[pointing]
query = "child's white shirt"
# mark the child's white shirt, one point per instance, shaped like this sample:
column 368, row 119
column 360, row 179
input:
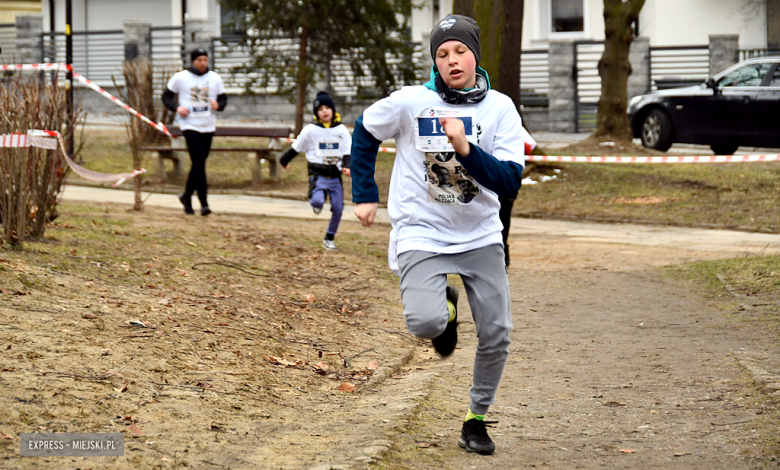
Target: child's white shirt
column 433, row 204
column 323, row 145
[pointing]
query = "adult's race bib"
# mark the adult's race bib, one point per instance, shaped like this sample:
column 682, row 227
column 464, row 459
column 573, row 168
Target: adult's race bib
column 201, row 105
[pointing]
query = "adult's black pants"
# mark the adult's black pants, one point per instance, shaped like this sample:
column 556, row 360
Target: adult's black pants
column 505, row 214
column 199, row 146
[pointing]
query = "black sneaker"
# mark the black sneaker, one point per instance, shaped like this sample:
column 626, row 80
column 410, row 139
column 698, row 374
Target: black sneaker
column 445, row 343
column 474, row 437
column 205, row 210
column 187, row 203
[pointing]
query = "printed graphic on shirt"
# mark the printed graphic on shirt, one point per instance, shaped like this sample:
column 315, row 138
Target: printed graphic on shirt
column 429, row 134
column 448, row 181
column 330, row 151
column 201, row 105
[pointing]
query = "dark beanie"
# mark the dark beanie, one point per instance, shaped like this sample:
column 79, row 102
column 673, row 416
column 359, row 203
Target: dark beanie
column 197, row 53
column 323, row 99
column 458, row 27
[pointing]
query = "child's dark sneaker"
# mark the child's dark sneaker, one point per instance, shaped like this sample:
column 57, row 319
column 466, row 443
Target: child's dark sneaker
column 205, row 210
column 474, row 437
column 445, row 343
column 187, row 203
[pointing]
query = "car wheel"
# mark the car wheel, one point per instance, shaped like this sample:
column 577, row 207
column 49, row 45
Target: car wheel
column 657, row 130
column 724, row 149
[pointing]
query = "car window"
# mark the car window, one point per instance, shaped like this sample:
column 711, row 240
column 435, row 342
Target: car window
column 775, row 82
column 749, row 75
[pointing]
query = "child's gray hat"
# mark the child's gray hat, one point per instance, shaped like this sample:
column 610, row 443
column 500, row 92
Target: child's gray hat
column 458, row 27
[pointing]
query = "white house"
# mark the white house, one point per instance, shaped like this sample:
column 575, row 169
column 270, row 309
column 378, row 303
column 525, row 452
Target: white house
column 96, row 15
column 664, row 22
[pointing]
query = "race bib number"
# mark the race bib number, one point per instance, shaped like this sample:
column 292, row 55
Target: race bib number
column 330, row 151
column 201, row 105
column 429, row 134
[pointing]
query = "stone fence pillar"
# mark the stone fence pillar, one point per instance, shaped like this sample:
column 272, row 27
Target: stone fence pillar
column 29, row 42
column 198, row 33
column 639, row 81
column 138, row 39
column 724, row 52
column 562, row 108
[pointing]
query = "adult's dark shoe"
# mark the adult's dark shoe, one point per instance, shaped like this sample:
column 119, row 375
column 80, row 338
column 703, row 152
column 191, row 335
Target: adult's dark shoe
column 187, row 203
column 474, row 437
column 205, row 210
column 445, row 343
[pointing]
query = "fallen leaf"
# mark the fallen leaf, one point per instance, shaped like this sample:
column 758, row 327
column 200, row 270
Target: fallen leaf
column 260, row 247
column 134, row 427
column 204, row 385
column 347, row 387
column 123, row 389
column 4, row 292
column 105, row 352
column 6, row 436
column 425, row 445
column 372, row 365
column 88, row 316
column 627, row 451
column 309, row 298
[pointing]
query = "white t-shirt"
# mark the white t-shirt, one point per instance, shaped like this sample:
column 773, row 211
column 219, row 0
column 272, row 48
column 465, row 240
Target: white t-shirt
column 434, row 205
column 194, row 92
column 322, row 145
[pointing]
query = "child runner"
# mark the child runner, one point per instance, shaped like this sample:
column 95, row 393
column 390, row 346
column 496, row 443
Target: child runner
column 327, row 145
column 448, row 223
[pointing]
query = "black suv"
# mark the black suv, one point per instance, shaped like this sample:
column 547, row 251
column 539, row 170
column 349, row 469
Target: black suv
column 739, row 106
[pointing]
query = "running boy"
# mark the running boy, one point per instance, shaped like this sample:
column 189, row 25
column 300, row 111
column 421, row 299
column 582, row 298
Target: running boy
column 327, row 145
column 448, row 224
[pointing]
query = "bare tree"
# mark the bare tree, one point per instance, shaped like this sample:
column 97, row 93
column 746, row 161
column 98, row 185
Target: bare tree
column 614, row 67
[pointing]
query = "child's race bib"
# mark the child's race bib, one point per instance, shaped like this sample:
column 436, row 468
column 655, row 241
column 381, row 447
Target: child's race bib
column 330, row 151
column 429, row 135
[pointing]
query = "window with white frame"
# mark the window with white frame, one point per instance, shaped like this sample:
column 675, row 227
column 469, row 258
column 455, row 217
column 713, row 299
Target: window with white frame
column 567, row 16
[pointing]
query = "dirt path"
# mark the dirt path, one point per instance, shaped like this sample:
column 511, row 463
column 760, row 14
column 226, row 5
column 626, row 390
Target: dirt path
column 613, row 365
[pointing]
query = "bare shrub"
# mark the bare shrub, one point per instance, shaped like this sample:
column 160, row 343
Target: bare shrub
column 142, row 90
column 31, row 178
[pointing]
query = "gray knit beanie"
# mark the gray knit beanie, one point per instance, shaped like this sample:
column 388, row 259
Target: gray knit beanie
column 458, row 27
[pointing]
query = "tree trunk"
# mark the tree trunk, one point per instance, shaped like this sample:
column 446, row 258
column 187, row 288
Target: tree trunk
column 614, row 68
column 301, row 94
column 501, row 22
column 463, row 7
column 511, row 51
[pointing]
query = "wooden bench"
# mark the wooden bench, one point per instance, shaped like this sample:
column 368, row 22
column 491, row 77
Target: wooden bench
column 271, row 154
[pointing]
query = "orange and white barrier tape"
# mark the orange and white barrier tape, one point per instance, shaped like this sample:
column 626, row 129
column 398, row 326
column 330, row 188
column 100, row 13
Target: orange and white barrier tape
column 66, row 68
column 660, row 159
column 51, row 140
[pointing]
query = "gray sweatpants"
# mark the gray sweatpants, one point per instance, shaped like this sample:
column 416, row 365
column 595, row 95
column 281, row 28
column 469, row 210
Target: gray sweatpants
column 423, row 283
